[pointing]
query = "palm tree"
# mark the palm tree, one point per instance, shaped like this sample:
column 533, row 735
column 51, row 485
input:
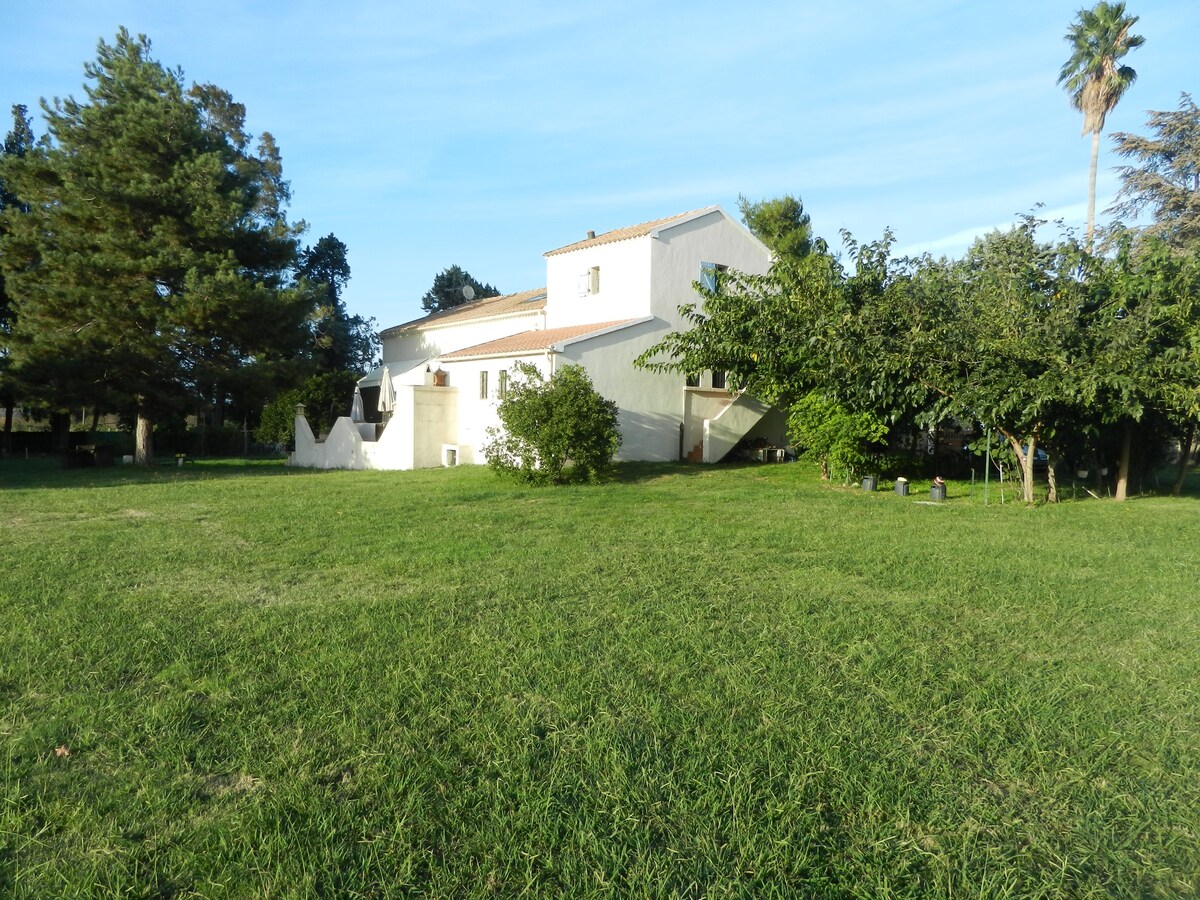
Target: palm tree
column 1099, row 38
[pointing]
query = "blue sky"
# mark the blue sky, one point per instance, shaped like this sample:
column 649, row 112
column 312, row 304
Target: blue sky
column 484, row 134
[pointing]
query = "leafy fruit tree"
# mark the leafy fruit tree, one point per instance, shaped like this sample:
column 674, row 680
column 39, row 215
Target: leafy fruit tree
column 341, row 342
column 1094, row 78
column 17, row 144
column 453, row 287
column 1165, row 175
column 990, row 336
column 548, row 424
column 1043, row 342
column 1143, row 348
column 151, row 264
column 839, row 440
column 781, row 223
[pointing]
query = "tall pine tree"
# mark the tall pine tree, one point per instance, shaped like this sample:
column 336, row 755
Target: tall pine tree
column 17, row 144
column 341, row 342
column 150, row 266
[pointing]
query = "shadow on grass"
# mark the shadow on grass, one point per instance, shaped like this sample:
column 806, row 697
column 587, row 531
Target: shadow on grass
column 49, row 472
column 636, row 472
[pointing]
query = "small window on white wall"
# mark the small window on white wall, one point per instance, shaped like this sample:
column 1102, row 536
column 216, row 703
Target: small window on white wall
column 483, row 385
column 708, row 275
column 502, row 387
column 589, row 282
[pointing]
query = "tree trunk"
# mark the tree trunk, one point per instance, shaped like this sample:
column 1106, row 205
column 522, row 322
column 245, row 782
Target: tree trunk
column 1016, row 447
column 1091, row 214
column 60, row 431
column 143, row 452
column 1123, row 466
column 1185, row 453
column 936, row 431
column 1030, row 453
column 1025, row 466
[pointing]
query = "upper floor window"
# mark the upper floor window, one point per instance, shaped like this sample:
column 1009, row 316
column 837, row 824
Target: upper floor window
column 483, row 395
column 708, row 275
column 589, row 282
column 502, row 387
column 718, row 380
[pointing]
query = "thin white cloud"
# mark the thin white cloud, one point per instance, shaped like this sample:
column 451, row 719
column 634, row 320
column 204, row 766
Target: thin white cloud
column 429, row 134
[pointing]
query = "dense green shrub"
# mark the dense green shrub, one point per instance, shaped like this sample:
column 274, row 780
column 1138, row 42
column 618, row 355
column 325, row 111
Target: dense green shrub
column 325, row 397
column 277, row 424
column 548, row 426
column 839, row 440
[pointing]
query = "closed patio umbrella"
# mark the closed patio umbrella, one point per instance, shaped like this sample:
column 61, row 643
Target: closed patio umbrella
column 356, row 408
column 387, row 393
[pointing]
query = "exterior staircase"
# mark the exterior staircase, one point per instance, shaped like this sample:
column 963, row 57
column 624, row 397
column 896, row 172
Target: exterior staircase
column 730, row 425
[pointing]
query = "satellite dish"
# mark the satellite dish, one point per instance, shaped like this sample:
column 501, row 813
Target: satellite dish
column 468, row 292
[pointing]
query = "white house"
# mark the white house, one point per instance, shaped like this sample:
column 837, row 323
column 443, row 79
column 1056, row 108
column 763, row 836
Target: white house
column 607, row 299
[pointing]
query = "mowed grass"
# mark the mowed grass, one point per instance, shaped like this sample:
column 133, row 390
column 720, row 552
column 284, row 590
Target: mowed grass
column 228, row 681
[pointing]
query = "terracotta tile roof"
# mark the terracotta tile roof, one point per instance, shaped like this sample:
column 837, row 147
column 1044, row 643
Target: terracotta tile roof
column 624, row 234
column 478, row 309
column 531, row 341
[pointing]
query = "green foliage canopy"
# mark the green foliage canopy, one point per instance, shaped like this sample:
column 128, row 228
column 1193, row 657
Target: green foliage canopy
column 151, row 262
column 784, row 334
column 1165, row 176
column 1040, row 340
column 341, row 342
column 453, row 287
column 17, row 143
column 838, row 439
column 326, row 396
column 548, row 424
column 1095, row 79
column 781, row 223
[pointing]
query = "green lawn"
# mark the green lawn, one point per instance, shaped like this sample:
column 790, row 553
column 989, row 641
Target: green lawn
column 245, row 681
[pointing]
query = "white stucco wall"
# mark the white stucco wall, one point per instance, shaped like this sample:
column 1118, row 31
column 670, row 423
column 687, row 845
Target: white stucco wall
column 624, row 284
column 477, row 414
column 424, row 420
column 343, row 448
column 407, row 346
column 434, row 424
column 723, row 431
column 650, row 403
column 677, row 252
